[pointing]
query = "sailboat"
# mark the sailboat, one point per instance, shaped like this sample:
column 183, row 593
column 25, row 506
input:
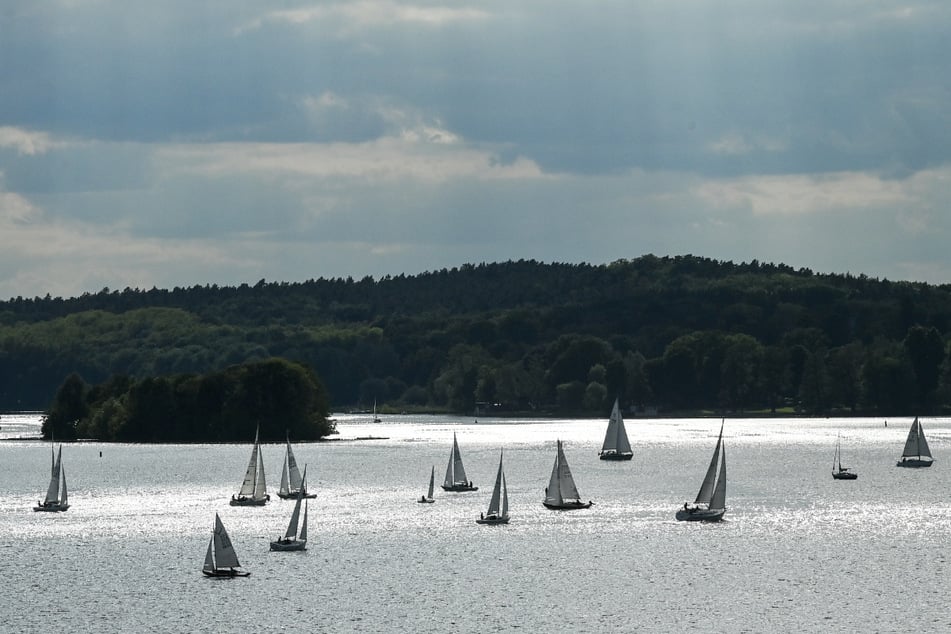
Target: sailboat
column 561, row 493
column 291, row 481
column 916, row 452
column 376, row 419
column 616, row 445
column 428, row 498
column 498, row 512
column 57, row 497
column 710, row 504
column 455, row 473
column 292, row 540
column 220, row 558
column 838, row 471
column 254, row 488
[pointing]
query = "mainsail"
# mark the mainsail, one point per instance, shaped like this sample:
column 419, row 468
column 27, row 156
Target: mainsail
column 706, row 493
column 615, row 438
column 251, row 475
column 495, row 503
column 561, row 485
column 455, row 472
column 52, row 492
column 916, row 444
column 225, row 556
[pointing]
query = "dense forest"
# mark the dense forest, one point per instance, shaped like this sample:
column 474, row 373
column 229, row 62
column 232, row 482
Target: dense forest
column 674, row 334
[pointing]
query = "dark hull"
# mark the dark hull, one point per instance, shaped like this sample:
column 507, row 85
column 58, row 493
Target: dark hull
column 52, row 508
column 845, row 475
column 225, row 573
column 459, row 488
column 615, row 456
column 914, row 463
column 700, row 515
column 249, row 501
column 425, row 501
column 493, row 520
column 293, row 496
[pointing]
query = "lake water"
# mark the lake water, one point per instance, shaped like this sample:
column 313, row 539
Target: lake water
column 797, row 552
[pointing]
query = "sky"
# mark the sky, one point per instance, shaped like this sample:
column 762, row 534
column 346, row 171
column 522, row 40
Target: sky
column 177, row 143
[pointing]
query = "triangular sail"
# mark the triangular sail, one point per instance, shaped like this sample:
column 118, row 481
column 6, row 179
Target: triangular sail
column 260, row 483
column 295, row 516
column 561, row 485
column 52, row 492
column 293, row 471
column 706, row 489
column 615, row 438
column 495, row 501
column 718, row 501
column 923, row 448
column 250, row 476
column 285, row 483
column 209, row 560
column 64, row 497
column 432, row 482
column 303, row 530
column 225, row 557
column 455, row 472
column 505, row 498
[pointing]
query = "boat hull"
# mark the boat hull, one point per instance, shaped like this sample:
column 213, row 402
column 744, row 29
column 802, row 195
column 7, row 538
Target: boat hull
column 51, row 508
column 425, row 501
column 295, row 544
column 613, row 455
column 493, row 520
column 249, row 501
column 567, row 506
column 700, row 515
column 459, row 488
column 914, row 463
column 293, row 496
column 225, row 573
column 845, row 475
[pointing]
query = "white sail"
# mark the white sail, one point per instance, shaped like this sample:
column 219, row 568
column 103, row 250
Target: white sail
column 718, row 501
column 916, row 444
column 303, row 531
column 52, row 492
column 225, row 556
column 293, row 471
column 561, row 485
column 615, row 438
column 64, row 497
column 495, row 501
column 251, row 475
column 260, row 484
column 455, row 472
column 284, row 491
column 432, row 482
column 505, row 498
column 709, row 480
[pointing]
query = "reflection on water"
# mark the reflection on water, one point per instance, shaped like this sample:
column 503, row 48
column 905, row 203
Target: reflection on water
column 798, row 550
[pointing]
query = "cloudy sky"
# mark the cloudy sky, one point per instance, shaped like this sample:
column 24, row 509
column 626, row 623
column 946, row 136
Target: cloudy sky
column 178, row 142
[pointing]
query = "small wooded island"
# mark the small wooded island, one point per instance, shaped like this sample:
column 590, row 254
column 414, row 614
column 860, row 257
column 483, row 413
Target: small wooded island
column 282, row 397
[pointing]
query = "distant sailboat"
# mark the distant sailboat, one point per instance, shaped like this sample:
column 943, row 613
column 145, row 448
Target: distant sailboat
column 376, row 419
column 57, row 497
column 428, row 498
column 616, row 446
column 916, row 452
column 710, row 504
column 455, row 473
column 291, row 481
column 292, row 540
column 562, row 494
column 498, row 512
column 220, row 558
column 254, row 488
column 838, row 471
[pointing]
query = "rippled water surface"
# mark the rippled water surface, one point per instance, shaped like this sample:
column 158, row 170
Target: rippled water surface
column 798, row 551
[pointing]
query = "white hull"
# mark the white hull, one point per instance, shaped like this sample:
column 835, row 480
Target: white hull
column 425, row 501
column 700, row 515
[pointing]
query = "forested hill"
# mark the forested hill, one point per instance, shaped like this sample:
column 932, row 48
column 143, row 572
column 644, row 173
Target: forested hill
column 670, row 332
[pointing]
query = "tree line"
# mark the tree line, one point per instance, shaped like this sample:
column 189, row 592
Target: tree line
column 674, row 333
